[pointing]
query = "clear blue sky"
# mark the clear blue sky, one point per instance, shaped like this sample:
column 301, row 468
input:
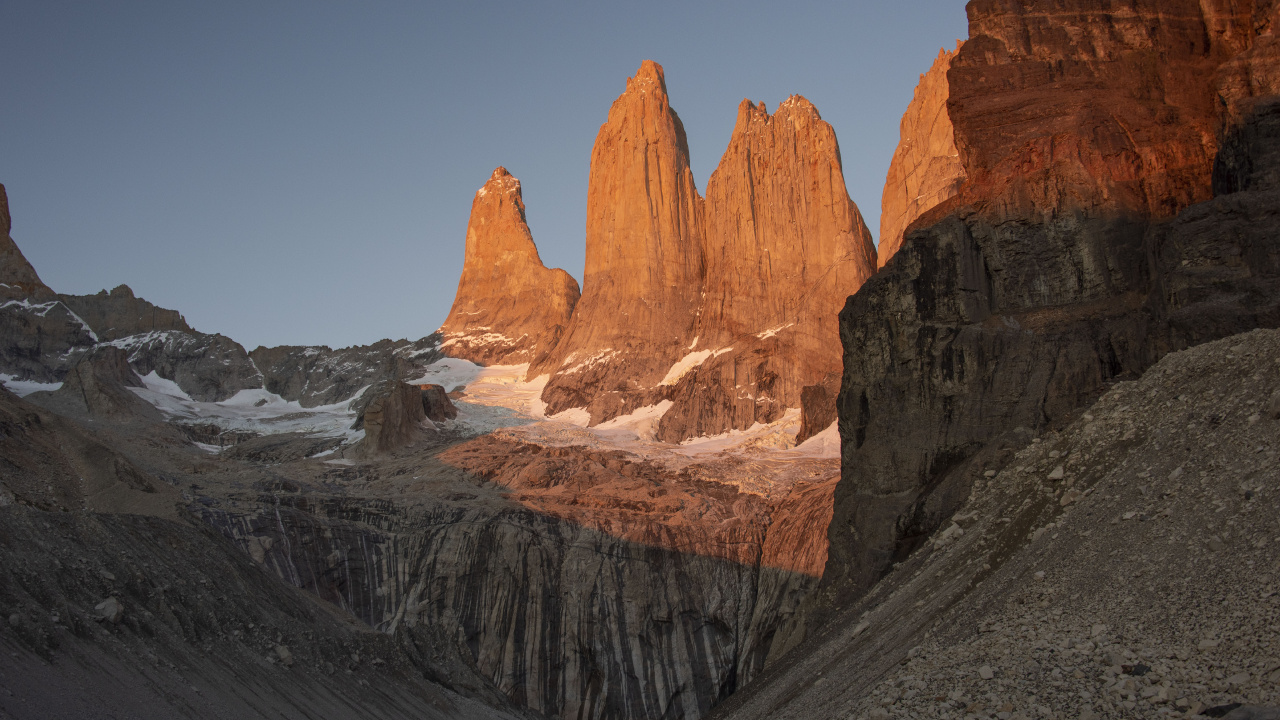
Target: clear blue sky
column 302, row 172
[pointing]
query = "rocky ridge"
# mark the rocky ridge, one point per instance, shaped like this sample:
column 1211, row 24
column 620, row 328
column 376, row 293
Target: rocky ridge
column 509, row 308
column 1122, row 567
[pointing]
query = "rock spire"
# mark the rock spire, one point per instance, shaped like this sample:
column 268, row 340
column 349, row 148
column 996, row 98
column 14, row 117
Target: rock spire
column 642, row 284
column 785, row 246
column 926, row 169
column 509, row 308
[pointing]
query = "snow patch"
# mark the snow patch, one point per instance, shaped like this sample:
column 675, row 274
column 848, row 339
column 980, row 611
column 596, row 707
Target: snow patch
column 689, row 362
column 640, row 424
column 23, row 388
column 573, row 416
column 773, row 331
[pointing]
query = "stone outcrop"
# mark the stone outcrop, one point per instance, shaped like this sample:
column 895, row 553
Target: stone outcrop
column 436, row 403
column 315, row 375
column 926, row 170
column 725, row 307
column 642, row 285
column 18, row 279
column 1075, row 258
column 98, row 386
column 120, row 313
column 784, row 247
column 393, row 416
column 510, row 308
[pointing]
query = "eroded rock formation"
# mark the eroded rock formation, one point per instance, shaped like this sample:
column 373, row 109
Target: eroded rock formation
column 509, row 308
column 926, row 169
column 641, row 289
column 784, row 247
column 1061, row 269
column 393, row 416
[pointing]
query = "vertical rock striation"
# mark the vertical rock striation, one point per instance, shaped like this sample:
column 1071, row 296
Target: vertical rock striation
column 509, row 308
column 642, row 285
column 1083, row 246
column 784, row 247
column 926, row 170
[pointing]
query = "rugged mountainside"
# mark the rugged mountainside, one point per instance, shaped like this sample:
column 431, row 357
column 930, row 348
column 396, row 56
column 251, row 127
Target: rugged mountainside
column 926, row 170
column 784, row 247
column 120, row 313
column 117, row 603
column 581, row 583
column 642, row 285
column 1058, row 271
column 1123, row 567
column 510, row 308
column 722, row 308
column 317, row 375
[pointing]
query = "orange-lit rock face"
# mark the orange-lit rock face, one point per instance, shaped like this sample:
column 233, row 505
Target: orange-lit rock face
column 1091, row 105
column 785, row 246
column 643, row 278
column 926, row 169
column 510, row 308
column 616, row 494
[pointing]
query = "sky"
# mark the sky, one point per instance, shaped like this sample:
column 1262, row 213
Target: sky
column 301, row 172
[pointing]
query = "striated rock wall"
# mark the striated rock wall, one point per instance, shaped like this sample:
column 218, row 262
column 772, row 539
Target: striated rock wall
column 926, row 170
column 642, row 285
column 510, row 308
column 784, row 247
column 582, row 583
column 1062, row 273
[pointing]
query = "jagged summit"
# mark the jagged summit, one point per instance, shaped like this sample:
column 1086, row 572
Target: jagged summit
column 510, row 308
